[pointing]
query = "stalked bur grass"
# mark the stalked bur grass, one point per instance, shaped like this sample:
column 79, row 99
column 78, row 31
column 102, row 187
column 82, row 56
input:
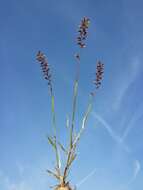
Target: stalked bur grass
column 61, row 172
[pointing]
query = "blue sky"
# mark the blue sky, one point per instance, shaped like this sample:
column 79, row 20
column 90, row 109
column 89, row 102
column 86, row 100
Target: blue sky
column 110, row 152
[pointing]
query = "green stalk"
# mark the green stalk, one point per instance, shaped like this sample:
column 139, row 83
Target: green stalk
column 74, row 110
column 84, row 121
column 71, row 153
column 75, row 91
column 55, row 131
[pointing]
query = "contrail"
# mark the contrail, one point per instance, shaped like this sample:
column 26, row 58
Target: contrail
column 86, row 178
column 116, row 138
column 137, row 168
column 131, row 123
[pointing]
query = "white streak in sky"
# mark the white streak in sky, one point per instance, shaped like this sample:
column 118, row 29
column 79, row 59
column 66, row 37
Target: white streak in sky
column 137, row 169
column 132, row 122
column 7, row 184
column 119, row 140
column 127, row 81
column 86, row 178
column 114, row 136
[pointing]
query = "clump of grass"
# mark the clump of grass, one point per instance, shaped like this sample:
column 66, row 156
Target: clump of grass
column 61, row 170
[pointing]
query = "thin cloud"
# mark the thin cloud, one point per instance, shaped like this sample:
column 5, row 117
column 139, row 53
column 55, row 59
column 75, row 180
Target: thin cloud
column 137, row 169
column 127, row 81
column 7, row 184
column 119, row 140
column 86, row 178
column 114, row 136
column 131, row 125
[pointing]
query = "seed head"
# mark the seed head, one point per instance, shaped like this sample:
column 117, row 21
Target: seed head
column 41, row 58
column 83, row 32
column 98, row 77
column 99, row 74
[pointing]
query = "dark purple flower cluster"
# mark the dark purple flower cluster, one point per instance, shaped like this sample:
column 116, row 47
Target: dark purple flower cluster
column 41, row 58
column 99, row 74
column 83, row 32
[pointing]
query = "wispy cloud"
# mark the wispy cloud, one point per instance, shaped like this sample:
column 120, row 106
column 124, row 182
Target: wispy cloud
column 113, row 135
column 28, row 177
column 138, row 114
column 127, row 80
column 137, row 168
column 86, row 178
column 120, row 140
column 7, row 184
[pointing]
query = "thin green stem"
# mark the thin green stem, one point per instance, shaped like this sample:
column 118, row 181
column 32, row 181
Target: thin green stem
column 55, row 131
column 75, row 92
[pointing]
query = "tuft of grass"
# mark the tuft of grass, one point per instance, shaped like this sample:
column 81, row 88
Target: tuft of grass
column 61, row 170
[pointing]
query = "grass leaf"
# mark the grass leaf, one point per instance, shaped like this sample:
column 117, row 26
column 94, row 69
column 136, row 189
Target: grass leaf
column 51, row 142
column 62, row 148
column 72, row 159
column 84, row 120
column 53, row 174
column 74, row 109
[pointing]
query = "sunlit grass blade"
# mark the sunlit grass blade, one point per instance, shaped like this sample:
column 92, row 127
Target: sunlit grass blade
column 55, row 132
column 53, row 174
column 53, row 114
column 72, row 159
column 62, row 148
column 84, row 121
column 73, row 110
column 51, row 142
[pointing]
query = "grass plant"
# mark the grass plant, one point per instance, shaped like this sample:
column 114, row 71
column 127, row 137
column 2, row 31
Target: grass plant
column 61, row 170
